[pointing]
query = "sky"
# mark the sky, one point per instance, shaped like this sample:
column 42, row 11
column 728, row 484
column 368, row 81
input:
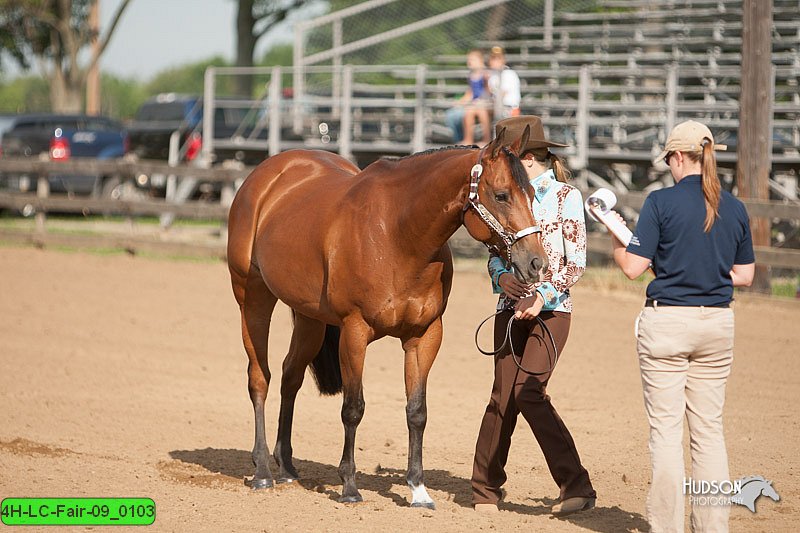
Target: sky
column 157, row 34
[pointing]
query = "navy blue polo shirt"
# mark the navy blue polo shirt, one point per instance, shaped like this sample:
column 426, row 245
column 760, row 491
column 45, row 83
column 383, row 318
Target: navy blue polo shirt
column 692, row 267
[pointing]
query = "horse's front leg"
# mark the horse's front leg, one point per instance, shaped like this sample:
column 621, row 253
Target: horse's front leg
column 420, row 354
column 355, row 336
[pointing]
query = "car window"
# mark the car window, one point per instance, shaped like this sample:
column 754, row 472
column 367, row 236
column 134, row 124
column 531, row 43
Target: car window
column 53, row 123
column 6, row 123
column 166, row 111
column 96, row 124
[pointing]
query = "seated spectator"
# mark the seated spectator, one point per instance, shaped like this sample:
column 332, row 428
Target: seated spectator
column 503, row 87
column 504, row 84
column 473, row 105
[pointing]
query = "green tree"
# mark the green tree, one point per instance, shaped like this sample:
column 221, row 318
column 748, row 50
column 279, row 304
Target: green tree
column 52, row 34
column 24, row 95
column 121, row 97
column 186, row 79
column 255, row 19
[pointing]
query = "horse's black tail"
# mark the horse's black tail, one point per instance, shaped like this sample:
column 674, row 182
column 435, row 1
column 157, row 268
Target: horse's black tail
column 325, row 366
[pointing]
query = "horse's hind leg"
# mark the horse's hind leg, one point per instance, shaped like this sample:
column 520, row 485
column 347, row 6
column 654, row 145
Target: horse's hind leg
column 256, row 308
column 306, row 342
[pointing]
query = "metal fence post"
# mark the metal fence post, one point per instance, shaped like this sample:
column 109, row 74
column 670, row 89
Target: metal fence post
column 672, row 98
column 298, row 77
column 208, row 114
column 418, row 143
column 275, row 81
column 346, row 124
column 547, row 37
column 582, row 134
column 42, row 191
column 336, row 90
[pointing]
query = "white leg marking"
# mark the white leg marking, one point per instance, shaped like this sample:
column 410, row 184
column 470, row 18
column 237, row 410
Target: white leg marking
column 419, row 494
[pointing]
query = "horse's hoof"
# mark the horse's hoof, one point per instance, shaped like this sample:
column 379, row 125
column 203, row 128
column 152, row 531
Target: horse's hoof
column 282, row 480
column 261, row 483
column 425, row 505
column 351, row 499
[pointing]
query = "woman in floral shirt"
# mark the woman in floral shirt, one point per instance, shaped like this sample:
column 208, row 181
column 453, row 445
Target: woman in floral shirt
column 558, row 208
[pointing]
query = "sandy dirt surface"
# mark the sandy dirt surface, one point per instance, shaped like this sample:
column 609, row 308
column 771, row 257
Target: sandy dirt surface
column 124, row 376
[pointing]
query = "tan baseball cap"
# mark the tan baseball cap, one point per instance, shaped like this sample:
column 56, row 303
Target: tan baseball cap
column 688, row 137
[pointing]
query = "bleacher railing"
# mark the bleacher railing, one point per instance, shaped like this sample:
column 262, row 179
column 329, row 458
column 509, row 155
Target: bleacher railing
column 604, row 113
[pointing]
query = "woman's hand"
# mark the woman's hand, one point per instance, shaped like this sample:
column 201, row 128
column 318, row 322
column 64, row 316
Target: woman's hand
column 617, row 216
column 614, row 240
column 511, row 285
column 529, row 307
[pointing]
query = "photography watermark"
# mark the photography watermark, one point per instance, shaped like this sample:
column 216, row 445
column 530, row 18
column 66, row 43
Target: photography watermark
column 744, row 491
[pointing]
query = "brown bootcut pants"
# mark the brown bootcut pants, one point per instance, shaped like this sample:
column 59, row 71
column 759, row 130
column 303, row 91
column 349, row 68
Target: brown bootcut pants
column 515, row 392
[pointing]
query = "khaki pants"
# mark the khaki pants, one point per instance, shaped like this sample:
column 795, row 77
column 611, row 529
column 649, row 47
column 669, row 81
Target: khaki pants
column 685, row 356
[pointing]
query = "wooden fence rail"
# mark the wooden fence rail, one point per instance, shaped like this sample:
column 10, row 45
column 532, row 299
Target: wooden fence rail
column 43, row 202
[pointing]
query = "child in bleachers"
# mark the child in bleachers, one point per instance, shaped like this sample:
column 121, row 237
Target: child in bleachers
column 474, row 104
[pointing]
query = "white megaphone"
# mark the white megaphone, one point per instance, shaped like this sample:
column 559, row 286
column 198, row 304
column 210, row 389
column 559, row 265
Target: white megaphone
column 598, row 205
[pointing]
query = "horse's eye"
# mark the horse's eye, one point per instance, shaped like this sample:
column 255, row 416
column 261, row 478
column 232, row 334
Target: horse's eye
column 501, row 197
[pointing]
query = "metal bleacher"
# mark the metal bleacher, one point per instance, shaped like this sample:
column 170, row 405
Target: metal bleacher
column 610, row 83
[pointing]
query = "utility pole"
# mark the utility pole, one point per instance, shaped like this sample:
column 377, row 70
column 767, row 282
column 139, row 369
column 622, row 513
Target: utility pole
column 754, row 151
column 93, row 79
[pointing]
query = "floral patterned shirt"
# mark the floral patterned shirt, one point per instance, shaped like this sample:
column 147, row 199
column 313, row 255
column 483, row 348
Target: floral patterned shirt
column 558, row 208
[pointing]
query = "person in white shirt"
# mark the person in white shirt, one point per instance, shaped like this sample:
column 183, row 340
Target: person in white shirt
column 504, row 86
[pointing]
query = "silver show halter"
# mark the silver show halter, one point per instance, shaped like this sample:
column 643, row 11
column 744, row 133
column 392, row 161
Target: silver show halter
column 509, row 238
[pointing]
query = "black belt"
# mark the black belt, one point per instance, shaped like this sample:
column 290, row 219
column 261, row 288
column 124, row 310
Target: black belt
column 652, row 303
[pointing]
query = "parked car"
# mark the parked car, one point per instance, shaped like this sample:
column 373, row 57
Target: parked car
column 6, row 123
column 63, row 137
column 159, row 117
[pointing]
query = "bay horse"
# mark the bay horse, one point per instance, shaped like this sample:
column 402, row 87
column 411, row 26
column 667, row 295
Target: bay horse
column 359, row 255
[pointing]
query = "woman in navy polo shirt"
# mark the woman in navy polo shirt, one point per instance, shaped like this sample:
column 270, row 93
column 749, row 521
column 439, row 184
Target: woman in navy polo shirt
column 696, row 238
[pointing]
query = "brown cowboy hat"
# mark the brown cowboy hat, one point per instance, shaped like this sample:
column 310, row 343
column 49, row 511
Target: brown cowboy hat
column 515, row 126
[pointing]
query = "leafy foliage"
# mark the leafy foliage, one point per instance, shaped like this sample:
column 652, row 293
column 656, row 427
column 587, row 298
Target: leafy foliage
column 36, row 28
column 24, row 95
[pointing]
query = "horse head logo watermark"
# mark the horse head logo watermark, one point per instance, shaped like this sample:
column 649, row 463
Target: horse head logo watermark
column 752, row 487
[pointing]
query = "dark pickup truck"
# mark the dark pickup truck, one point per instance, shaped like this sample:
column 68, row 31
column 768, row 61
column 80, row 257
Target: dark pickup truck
column 64, row 137
column 161, row 116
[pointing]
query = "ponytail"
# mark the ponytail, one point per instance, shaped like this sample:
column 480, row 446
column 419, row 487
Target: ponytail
column 551, row 160
column 559, row 168
column 710, row 181
column 711, row 185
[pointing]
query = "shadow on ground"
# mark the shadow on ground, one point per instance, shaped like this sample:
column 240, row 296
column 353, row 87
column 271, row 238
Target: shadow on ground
column 323, row 478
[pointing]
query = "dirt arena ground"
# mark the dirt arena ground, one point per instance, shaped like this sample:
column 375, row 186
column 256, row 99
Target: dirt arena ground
column 124, row 376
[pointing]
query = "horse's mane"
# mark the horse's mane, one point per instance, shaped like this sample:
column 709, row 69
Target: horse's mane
column 429, row 152
column 517, row 170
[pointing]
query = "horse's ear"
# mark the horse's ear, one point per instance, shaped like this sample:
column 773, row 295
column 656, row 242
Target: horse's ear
column 497, row 144
column 519, row 145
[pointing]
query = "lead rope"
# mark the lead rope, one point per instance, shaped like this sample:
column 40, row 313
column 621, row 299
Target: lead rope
column 507, row 342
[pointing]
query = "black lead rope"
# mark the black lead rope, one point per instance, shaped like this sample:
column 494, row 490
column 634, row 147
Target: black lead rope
column 507, row 342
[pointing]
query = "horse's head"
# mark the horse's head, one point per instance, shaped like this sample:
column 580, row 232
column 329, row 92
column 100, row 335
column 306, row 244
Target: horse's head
column 500, row 215
column 768, row 490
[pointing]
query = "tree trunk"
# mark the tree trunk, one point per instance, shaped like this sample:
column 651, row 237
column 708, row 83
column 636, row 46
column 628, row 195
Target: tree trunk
column 245, row 46
column 754, row 157
column 66, row 92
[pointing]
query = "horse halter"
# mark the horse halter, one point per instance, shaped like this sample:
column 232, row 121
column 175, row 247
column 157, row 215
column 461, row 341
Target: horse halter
column 509, row 238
